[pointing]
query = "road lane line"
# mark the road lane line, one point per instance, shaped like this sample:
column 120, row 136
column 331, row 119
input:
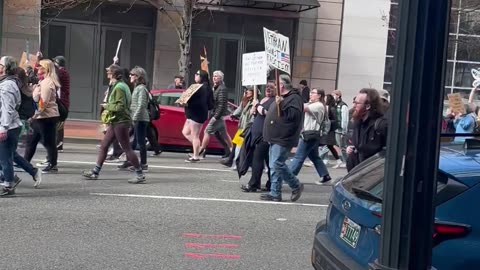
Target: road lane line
column 216, row 236
column 206, row 199
column 149, row 166
column 201, row 256
column 207, row 245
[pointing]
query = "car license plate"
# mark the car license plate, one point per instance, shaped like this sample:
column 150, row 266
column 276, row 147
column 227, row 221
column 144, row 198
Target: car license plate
column 350, row 232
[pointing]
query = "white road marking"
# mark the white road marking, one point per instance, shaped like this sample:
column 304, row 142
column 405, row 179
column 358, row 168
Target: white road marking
column 149, row 166
column 230, row 181
column 205, row 199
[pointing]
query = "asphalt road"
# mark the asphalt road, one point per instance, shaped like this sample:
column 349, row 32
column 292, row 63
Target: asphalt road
column 187, row 216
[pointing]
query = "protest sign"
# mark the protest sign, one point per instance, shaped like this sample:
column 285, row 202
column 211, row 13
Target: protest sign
column 187, row 94
column 254, row 68
column 455, row 103
column 277, row 48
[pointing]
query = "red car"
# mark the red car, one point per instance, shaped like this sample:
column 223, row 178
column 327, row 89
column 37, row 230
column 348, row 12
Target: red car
column 172, row 117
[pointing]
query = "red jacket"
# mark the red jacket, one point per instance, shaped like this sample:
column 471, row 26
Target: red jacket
column 64, row 78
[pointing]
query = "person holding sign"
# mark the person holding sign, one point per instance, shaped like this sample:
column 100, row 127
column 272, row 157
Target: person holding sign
column 196, row 112
column 282, row 130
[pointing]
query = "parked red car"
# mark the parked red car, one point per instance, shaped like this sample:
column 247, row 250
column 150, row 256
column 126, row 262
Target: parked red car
column 172, row 117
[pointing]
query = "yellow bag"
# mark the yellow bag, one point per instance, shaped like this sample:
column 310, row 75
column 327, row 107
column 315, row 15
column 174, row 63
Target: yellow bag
column 237, row 139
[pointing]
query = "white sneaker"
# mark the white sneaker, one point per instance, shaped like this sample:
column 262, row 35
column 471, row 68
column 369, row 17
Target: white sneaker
column 308, row 164
column 37, row 178
column 326, row 161
column 42, row 164
column 337, row 164
column 343, row 165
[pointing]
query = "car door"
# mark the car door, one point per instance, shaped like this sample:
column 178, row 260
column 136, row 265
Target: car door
column 172, row 117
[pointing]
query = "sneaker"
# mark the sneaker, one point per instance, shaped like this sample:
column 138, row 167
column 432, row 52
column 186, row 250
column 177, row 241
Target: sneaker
column 326, row 161
column 156, row 154
column 37, row 178
column 112, row 159
column 138, row 179
column 90, row 175
column 50, row 169
column 192, row 160
column 337, row 164
column 343, row 165
column 324, row 180
column 144, row 168
column 16, row 181
column 60, row 147
column 6, row 191
column 268, row 197
column 296, row 194
column 42, row 163
column 308, row 164
column 124, row 166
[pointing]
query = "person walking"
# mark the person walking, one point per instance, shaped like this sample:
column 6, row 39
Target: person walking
column 10, row 123
column 216, row 124
column 260, row 153
column 44, row 121
column 118, row 120
column 315, row 113
column 343, row 120
column 242, row 113
column 63, row 94
column 328, row 141
column 282, row 130
column 196, row 112
column 139, row 115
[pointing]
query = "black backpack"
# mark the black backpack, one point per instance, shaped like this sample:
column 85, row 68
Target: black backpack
column 27, row 107
column 152, row 107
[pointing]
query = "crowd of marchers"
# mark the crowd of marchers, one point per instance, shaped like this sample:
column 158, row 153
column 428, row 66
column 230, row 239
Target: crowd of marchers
column 35, row 101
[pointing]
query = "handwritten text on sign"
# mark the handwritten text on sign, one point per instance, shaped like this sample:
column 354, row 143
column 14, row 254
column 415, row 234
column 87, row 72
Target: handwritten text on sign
column 254, row 68
column 277, row 48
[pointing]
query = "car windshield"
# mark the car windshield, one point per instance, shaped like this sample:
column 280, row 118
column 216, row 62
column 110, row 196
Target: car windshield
column 369, row 176
column 167, row 99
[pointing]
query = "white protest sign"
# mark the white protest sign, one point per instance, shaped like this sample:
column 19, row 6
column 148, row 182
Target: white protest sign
column 254, row 68
column 277, row 48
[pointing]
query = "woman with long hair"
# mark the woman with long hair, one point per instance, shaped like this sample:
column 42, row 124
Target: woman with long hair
column 328, row 141
column 118, row 120
column 196, row 112
column 139, row 114
column 310, row 138
column 44, row 121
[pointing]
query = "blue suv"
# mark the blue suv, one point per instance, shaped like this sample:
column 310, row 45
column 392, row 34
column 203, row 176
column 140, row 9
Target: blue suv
column 349, row 237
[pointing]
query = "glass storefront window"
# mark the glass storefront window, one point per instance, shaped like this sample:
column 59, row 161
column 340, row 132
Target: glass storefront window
column 463, row 74
column 468, row 49
column 470, row 22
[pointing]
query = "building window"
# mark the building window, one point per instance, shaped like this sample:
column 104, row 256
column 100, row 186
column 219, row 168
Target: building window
column 463, row 46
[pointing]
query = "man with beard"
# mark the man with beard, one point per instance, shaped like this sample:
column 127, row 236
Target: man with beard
column 369, row 128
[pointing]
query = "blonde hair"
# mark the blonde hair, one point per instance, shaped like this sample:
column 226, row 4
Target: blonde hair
column 50, row 71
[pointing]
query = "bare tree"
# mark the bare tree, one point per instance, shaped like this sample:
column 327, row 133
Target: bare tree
column 181, row 18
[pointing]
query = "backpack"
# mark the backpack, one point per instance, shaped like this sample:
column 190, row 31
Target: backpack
column 27, row 107
column 326, row 124
column 152, row 107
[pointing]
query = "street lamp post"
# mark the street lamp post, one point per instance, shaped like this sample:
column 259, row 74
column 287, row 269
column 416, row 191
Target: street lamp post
column 413, row 140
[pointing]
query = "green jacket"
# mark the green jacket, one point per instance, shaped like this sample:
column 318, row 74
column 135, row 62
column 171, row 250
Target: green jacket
column 139, row 106
column 118, row 104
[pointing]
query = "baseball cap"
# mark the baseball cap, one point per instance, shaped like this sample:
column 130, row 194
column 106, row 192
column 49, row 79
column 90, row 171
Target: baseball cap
column 337, row 92
column 384, row 94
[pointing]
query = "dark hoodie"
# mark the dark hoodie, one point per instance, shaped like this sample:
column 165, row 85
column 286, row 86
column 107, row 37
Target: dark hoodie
column 285, row 130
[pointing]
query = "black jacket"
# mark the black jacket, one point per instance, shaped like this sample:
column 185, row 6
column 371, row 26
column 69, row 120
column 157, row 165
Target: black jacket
column 306, row 94
column 369, row 137
column 221, row 101
column 284, row 130
column 197, row 105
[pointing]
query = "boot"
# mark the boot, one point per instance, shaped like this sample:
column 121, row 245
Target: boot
column 228, row 161
column 222, row 141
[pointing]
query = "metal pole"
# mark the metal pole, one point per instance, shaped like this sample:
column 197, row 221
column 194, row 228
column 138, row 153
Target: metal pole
column 413, row 140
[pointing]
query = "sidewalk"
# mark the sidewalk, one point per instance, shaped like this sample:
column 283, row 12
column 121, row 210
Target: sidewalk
column 79, row 131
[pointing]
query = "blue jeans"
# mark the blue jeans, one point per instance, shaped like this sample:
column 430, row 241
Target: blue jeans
column 308, row 149
column 279, row 170
column 8, row 148
column 140, row 133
